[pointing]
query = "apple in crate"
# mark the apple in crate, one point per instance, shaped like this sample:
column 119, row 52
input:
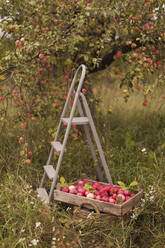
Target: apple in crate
column 91, row 196
column 72, row 189
column 127, row 197
column 96, row 185
column 111, row 200
column 98, row 197
column 126, row 192
column 114, row 196
column 65, row 189
column 105, row 198
column 80, row 189
column 80, row 194
column 121, row 196
column 80, row 183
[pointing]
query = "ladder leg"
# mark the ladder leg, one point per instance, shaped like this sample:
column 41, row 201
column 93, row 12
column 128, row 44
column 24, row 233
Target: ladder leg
column 69, row 124
column 50, row 156
column 43, row 179
column 61, row 153
column 59, row 162
column 48, row 162
column 98, row 169
column 102, row 157
column 86, row 129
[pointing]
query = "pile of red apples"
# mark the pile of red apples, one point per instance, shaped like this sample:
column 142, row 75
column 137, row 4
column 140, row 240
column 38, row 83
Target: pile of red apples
column 99, row 191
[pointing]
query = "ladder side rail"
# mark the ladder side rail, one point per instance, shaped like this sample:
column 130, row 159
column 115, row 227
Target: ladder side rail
column 72, row 87
column 87, row 133
column 87, row 110
column 69, row 124
column 65, row 107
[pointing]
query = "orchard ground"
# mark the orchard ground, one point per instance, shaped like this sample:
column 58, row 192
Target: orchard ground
column 133, row 139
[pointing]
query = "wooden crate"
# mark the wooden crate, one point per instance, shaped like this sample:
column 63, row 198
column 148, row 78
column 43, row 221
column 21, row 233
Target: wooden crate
column 99, row 206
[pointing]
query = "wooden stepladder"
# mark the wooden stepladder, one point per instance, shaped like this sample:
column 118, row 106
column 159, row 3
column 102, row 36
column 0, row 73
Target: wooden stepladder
column 84, row 119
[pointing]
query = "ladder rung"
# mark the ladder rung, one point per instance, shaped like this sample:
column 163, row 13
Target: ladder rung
column 77, row 120
column 43, row 195
column 57, row 146
column 50, row 171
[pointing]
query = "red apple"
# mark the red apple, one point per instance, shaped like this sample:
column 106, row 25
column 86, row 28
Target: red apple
column 105, row 198
column 86, row 181
column 120, row 191
column 114, row 196
column 80, row 183
column 23, row 125
column 111, row 200
column 96, row 185
column 90, row 195
column 28, row 161
column 84, row 90
column 80, row 194
column 126, row 192
column 65, row 189
column 41, row 55
column 73, row 191
column 97, row 192
column 21, row 139
column 80, row 189
column 127, row 198
column 72, row 187
column 98, row 197
column 121, row 196
column 86, row 193
column 45, row 59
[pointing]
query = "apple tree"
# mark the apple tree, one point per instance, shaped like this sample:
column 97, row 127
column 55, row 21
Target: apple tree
column 43, row 42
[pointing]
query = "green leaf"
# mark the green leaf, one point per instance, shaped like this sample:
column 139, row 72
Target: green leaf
column 121, row 184
column 62, row 180
column 134, row 183
column 87, row 186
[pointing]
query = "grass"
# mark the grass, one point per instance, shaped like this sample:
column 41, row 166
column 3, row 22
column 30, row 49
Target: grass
column 125, row 129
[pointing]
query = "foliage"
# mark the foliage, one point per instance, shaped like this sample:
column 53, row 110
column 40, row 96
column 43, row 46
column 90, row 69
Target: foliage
column 52, row 37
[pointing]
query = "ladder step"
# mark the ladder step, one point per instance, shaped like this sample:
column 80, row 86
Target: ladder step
column 50, row 171
column 77, row 120
column 57, row 146
column 43, row 195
